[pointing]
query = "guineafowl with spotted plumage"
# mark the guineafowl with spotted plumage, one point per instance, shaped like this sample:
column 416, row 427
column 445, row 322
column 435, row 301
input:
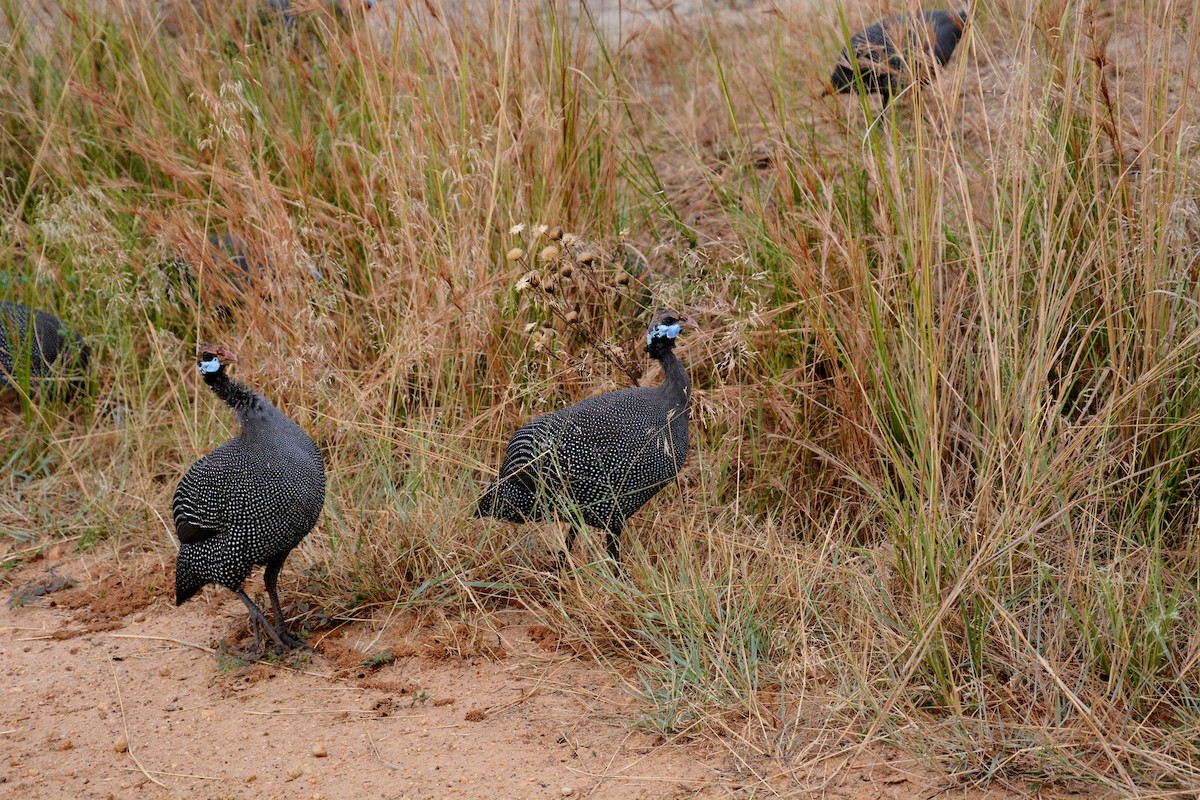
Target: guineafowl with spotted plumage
column 603, row 458
column 896, row 51
column 40, row 345
column 249, row 502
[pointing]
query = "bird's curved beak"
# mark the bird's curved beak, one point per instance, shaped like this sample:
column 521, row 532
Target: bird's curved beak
column 688, row 322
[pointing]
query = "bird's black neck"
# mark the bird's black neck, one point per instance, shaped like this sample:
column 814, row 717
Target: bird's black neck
column 237, row 396
column 676, row 384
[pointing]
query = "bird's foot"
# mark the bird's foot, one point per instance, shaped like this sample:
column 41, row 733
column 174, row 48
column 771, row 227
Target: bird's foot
column 285, row 640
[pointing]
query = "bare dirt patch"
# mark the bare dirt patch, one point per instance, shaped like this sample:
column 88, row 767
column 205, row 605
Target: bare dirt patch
column 131, row 705
column 104, row 605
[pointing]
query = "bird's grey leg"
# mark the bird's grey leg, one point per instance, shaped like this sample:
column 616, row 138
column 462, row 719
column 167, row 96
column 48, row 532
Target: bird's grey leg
column 258, row 618
column 258, row 628
column 565, row 553
column 612, row 544
column 271, row 578
column 612, row 538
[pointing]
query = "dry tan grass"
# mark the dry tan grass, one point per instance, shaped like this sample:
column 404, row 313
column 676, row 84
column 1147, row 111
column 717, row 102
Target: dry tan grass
column 946, row 403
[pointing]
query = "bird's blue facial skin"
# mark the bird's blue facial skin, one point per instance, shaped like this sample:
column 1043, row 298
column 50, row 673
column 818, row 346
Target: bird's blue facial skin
column 669, row 331
column 210, row 365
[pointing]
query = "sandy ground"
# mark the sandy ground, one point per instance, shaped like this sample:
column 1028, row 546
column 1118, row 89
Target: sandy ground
column 111, row 692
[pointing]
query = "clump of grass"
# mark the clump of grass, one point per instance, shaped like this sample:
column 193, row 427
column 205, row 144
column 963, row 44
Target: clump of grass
column 945, row 410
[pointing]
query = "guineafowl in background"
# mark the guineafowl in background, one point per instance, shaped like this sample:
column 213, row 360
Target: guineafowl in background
column 601, row 459
column 250, row 501
column 896, row 51
column 40, row 345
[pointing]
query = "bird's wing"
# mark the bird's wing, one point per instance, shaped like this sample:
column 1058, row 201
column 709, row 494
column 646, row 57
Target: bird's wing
column 529, row 454
column 615, row 423
column 197, row 507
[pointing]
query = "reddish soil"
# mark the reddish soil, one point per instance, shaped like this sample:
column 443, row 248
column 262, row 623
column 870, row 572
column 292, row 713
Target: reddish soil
column 113, row 693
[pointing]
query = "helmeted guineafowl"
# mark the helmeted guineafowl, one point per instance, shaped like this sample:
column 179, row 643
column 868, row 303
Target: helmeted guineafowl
column 248, row 502
column 601, row 459
column 52, row 351
column 895, row 51
column 235, row 268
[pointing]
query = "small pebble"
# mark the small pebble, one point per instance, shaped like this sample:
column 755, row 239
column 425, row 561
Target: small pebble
column 251, row 778
column 121, row 745
column 295, row 772
column 67, row 745
column 567, row 791
column 164, row 671
column 207, row 713
column 319, row 751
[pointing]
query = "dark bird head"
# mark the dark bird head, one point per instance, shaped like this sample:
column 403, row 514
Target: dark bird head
column 665, row 325
column 187, row 583
column 214, row 358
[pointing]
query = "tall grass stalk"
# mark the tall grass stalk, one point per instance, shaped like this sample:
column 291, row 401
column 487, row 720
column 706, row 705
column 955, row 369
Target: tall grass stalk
column 945, row 424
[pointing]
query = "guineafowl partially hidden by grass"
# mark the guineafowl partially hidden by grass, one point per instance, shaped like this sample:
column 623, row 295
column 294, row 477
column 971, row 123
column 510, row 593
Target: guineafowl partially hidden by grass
column 39, row 345
column 234, row 269
column 601, row 459
column 896, row 51
column 248, row 502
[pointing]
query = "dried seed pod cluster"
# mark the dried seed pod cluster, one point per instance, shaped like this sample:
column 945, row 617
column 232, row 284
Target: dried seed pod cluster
column 587, row 292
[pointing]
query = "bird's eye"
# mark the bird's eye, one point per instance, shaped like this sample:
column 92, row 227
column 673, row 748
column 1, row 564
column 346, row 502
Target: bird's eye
column 210, row 365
